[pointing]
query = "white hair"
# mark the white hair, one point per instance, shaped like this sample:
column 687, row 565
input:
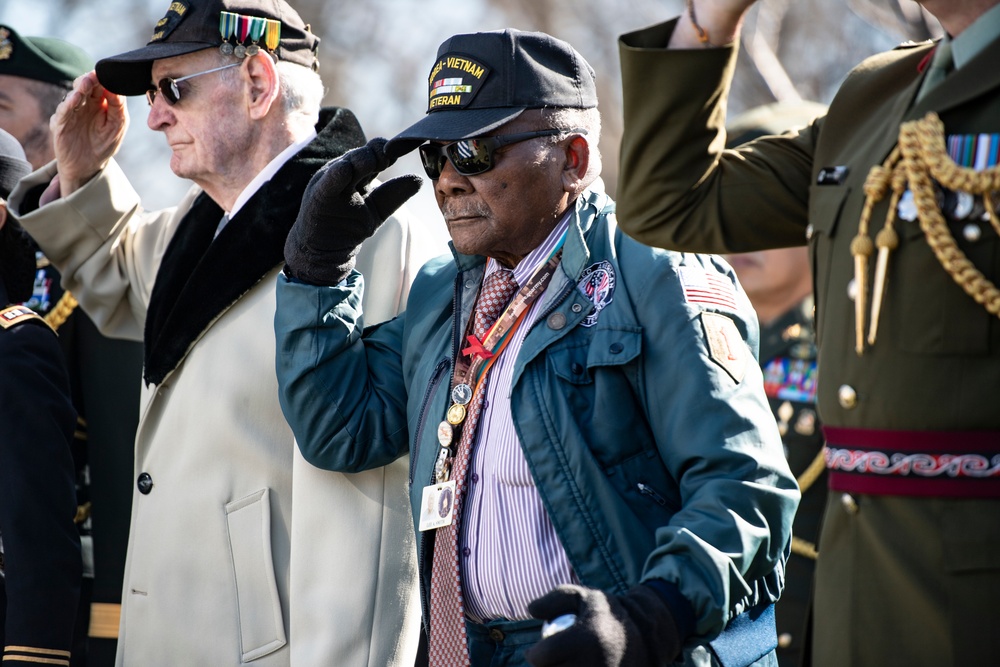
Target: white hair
column 569, row 119
column 302, row 89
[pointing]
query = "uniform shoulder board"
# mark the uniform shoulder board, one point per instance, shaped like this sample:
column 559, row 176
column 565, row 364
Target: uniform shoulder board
column 910, row 44
column 13, row 315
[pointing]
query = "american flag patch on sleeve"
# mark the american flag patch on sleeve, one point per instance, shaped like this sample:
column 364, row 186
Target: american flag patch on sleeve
column 707, row 288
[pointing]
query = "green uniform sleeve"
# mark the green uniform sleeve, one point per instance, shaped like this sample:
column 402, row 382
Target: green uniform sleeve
column 678, row 187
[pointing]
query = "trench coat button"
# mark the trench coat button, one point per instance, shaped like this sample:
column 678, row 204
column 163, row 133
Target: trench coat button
column 556, row 321
column 847, row 397
column 496, row 635
column 810, row 230
column 616, row 348
column 849, row 503
column 784, row 640
column 144, row 483
column 576, row 308
column 972, row 232
column 469, row 284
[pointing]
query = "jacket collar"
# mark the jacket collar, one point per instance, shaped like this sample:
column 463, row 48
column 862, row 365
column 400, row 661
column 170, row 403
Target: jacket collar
column 199, row 279
column 980, row 75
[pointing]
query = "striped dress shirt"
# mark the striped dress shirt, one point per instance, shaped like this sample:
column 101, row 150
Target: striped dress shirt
column 508, row 548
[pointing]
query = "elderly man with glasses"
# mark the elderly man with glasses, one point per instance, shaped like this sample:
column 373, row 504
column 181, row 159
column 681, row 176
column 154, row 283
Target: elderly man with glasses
column 591, row 447
column 225, row 564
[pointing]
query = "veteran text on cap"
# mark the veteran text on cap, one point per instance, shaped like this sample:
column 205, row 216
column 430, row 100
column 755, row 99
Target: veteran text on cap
column 482, row 80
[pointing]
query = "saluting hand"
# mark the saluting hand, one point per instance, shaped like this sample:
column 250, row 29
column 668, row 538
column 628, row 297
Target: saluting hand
column 339, row 211
column 718, row 23
column 87, row 130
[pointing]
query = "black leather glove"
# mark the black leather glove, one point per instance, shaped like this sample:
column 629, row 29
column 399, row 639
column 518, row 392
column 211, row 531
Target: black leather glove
column 339, row 212
column 632, row 630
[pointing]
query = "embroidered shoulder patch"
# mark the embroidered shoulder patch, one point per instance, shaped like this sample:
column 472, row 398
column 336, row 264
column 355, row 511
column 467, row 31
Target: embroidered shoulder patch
column 597, row 284
column 725, row 344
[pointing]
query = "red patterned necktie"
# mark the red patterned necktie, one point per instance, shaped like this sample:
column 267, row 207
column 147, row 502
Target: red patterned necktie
column 448, row 642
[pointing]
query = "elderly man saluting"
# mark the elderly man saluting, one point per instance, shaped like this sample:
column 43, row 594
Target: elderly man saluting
column 587, row 427
column 214, row 573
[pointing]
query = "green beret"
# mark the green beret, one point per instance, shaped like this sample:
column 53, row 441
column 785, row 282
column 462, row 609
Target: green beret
column 41, row 58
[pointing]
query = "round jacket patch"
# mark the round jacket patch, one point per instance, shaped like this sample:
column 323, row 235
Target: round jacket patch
column 597, row 284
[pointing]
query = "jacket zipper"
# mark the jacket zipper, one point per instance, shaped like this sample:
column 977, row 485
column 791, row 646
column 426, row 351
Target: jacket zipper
column 648, row 491
column 431, row 386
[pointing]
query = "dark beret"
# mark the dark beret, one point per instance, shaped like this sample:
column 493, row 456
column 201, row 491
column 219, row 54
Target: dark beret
column 41, row 58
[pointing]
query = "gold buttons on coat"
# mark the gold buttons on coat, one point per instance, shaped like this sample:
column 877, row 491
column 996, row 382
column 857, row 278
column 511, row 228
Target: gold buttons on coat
column 849, row 503
column 784, row 640
column 847, row 397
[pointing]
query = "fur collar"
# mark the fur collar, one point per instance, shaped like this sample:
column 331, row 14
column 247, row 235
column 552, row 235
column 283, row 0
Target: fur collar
column 199, row 279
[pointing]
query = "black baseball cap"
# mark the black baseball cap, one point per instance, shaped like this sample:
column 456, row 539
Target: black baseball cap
column 13, row 164
column 482, row 80
column 193, row 25
column 41, row 58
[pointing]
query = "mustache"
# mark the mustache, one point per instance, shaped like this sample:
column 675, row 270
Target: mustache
column 452, row 210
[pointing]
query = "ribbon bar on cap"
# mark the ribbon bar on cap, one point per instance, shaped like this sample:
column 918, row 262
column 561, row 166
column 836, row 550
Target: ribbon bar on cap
column 237, row 28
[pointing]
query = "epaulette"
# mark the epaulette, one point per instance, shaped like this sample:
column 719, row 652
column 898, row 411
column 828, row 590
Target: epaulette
column 910, row 44
column 11, row 316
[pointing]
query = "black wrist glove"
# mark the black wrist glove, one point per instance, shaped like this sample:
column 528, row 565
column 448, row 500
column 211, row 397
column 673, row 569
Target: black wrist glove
column 632, row 630
column 339, row 212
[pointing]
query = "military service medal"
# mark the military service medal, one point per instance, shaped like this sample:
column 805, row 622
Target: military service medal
column 227, row 28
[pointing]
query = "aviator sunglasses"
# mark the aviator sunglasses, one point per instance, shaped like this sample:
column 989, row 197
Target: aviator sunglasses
column 470, row 157
column 171, row 91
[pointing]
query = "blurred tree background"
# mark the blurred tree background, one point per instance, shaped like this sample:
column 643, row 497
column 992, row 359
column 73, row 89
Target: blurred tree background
column 375, row 55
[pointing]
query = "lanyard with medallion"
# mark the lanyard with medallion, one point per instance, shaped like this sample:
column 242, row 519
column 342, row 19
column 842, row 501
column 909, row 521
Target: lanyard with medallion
column 471, row 367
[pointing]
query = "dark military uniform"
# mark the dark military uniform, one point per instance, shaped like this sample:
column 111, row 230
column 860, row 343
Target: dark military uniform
column 104, row 375
column 41, row 547
column 788, row 360
column 909, row 566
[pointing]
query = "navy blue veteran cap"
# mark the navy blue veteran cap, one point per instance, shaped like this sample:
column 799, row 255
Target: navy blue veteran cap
column 238, row 27
column 482, row 80
column 13, row 164
column 41, row 58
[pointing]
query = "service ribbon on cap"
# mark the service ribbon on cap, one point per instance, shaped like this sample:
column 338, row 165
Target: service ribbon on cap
column 257, row 25
column 227, row 28
column 239, row 28
column 454, row 81
column 273, row 35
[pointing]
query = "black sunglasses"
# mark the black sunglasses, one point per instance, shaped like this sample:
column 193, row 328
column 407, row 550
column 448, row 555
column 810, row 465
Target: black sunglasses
column 475, row 156
column 171, row 91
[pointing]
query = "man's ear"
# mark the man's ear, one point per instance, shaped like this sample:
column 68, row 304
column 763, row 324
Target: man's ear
column 262, row 84
column 3, row 213
column 577, row 164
